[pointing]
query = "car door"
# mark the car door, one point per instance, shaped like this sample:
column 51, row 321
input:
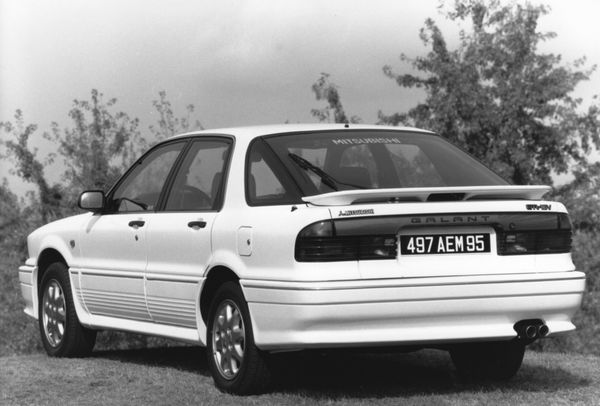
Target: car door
column 113, row 247
column 179, row 236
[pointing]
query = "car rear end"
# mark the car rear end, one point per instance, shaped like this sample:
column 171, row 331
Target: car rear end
column 458, row 259
column 463, row 272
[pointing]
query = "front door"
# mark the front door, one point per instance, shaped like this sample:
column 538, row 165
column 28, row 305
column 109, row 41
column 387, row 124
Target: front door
column 113, row 247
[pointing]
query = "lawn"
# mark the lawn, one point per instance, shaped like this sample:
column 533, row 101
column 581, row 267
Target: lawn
column 179, row 375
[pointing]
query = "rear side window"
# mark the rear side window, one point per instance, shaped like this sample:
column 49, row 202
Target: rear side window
column 199, row 181
column 266, row 180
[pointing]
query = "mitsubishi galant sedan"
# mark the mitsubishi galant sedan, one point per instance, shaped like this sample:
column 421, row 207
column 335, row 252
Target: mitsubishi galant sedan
column 257, row 240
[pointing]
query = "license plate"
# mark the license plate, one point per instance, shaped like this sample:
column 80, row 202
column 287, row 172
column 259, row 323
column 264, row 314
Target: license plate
column 444, row 244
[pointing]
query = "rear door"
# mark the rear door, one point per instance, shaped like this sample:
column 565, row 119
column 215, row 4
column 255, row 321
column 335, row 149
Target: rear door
column 179, row 236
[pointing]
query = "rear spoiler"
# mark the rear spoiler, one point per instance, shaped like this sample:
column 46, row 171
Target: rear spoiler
column 453, row 193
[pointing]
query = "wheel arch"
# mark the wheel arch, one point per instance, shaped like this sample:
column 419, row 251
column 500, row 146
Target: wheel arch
column 47, row 257
column 215, row 277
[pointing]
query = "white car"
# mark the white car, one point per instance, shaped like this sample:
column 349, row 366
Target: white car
column 266, row 239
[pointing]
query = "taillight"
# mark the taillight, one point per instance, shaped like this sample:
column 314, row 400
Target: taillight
column 552, row 239
column 318, row 242
column 534, row 242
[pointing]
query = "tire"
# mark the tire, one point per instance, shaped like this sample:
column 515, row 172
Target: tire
column 236, row 365
column 61, row 332
column 488, row 361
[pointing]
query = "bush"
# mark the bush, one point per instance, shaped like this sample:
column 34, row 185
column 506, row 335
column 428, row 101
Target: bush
column 586, row 339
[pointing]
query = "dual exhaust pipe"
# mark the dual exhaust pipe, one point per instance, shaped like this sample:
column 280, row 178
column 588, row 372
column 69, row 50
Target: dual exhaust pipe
column 530, row 330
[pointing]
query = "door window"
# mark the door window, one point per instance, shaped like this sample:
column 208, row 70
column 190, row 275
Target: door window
column 199, row 181
column 141, row 188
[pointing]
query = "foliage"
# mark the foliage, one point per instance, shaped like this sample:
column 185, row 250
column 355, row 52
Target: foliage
column 498, row 97
column 100, row 145
column 586, row 257
column 581, row 196
column 168, row 124
column 9, row 210
column 326, row 90
column 28, row 166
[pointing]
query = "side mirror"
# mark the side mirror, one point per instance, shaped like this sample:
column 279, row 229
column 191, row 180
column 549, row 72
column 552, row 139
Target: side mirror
column 91, row 200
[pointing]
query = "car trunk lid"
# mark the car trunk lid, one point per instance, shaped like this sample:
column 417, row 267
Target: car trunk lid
column 462, row 237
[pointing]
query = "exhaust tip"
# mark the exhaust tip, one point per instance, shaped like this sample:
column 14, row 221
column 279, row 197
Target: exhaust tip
column 531, row 331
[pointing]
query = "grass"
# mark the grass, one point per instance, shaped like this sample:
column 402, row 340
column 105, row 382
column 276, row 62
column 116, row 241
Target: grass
column 179, row 375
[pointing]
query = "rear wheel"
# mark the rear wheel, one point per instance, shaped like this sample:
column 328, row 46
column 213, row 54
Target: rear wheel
column 235, row 363
column 492, row 360
column 61, row 332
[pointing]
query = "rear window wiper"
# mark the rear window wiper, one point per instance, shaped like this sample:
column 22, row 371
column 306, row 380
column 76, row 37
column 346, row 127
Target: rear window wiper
column 325, row 177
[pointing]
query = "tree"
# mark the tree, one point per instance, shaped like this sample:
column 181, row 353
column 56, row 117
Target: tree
column 326, row 90
column 168, row 123
column 581, row 196
column 498, row 97
column 29, row 168
column 99, row 147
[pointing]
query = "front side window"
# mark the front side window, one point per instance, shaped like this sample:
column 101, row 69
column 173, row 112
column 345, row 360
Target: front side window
column 141, row 188
column 199, row 181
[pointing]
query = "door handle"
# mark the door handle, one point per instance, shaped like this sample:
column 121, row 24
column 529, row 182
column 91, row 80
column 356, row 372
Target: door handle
column 197, row 224
column 137, row 223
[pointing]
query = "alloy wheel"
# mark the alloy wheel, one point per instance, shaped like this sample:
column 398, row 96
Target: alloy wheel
column 228, row 339
column 54, row 314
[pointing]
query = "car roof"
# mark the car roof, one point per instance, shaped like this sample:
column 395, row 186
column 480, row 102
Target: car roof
column 257, row 131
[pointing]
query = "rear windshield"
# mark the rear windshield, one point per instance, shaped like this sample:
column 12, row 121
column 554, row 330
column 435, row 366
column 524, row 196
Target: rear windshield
column 330, row 161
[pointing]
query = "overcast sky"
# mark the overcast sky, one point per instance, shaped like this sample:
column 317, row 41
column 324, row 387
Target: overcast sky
column 239, row 62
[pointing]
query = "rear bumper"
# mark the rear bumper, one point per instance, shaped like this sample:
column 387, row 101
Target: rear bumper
column 433, row 310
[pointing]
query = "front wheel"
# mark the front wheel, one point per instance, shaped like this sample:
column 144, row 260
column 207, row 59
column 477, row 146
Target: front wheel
column 235, row 363
column 491, row 360
column 61, row 332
